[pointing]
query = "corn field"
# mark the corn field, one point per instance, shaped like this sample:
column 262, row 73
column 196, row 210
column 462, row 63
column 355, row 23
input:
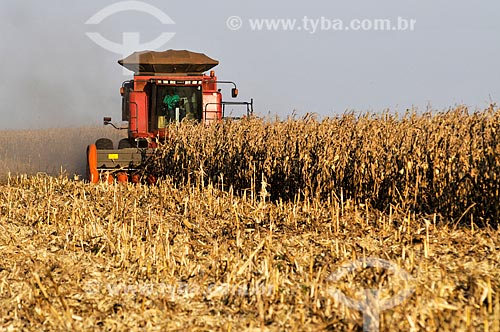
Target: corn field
column 360, row 222
column 447, row 163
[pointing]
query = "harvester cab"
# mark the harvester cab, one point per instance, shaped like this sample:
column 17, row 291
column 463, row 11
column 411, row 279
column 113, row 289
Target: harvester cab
column 167, row 87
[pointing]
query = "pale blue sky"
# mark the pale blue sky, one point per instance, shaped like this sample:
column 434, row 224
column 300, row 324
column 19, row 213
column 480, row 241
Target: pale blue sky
column 53, row 75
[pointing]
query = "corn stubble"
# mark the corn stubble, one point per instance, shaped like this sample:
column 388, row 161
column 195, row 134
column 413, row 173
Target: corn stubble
column 251, row 222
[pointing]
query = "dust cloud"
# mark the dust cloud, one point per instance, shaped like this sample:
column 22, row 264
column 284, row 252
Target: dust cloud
column 50, row 151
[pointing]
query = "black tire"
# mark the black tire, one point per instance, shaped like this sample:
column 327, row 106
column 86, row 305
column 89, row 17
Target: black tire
column 104, row 144
column 124, row 144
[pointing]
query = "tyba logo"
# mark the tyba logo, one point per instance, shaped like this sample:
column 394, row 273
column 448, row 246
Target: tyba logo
column 131, row 40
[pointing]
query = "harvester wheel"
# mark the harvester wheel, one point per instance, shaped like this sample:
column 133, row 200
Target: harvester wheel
column 104, row 144
column 92, row 173
column 124, row 144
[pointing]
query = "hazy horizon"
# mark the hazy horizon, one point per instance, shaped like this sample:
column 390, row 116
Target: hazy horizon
column 56, row 76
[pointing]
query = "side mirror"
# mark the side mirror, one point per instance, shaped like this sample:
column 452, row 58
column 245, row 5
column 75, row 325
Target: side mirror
column 107, row 120
column 234, row 92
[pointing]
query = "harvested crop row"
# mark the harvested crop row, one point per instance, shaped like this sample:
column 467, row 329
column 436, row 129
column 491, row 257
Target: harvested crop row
column 81, row 257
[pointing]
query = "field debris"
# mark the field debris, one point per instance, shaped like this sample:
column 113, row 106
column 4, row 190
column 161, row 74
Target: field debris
column 130, row 257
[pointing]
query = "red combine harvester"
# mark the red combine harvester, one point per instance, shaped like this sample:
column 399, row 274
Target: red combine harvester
column 167, row 87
